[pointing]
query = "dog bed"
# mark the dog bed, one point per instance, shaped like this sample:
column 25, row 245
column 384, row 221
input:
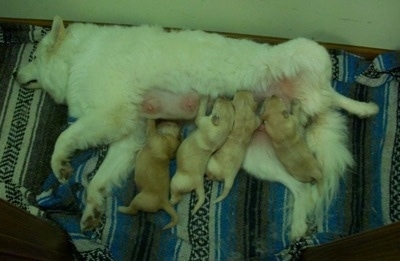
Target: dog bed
column 249, row 224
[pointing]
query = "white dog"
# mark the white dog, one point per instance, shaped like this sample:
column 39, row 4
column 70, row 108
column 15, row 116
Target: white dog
column 226, row 162
column 195, row 151
column 102, row 73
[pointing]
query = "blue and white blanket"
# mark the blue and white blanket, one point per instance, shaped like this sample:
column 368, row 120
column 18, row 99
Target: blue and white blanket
column 247, row 225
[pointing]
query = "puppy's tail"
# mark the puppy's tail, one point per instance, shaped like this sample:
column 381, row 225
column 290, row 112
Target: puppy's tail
column 201, row 197
column 227, row 188
column 172, row 212
column 361, row 109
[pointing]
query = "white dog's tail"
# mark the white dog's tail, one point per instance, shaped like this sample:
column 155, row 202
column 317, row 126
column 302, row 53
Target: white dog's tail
column 361, row 109
column 327, row 138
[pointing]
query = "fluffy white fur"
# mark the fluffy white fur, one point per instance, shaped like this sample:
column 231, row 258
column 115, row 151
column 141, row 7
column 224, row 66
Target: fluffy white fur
column 103, row 72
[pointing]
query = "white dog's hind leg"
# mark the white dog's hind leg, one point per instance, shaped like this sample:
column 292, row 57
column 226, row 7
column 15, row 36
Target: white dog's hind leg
column 117, row 165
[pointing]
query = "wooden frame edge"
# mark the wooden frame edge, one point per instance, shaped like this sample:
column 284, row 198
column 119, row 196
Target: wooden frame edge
column 365, row 52
column 382, row 243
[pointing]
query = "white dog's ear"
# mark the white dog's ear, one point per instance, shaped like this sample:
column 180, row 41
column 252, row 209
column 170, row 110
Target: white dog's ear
column 57, row 30
column 215, row 120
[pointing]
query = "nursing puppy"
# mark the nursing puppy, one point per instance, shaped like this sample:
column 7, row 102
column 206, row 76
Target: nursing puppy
column 152, row 171
column 195, row 151
column 287, row 136
column 225, row 163
column 103, row 74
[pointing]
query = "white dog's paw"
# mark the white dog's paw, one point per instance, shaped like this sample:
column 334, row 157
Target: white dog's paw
column 91, row 216
column 371, row 110
column 298, row 229
column 62, row 169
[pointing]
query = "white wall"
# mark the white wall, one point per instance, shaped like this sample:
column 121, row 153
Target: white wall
column 370, row 23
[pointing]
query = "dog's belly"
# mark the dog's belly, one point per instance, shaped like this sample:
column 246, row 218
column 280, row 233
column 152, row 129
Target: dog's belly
column 159, row 103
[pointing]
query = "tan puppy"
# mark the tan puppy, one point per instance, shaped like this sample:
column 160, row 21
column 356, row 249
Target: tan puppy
column 225, row 163
column 195, row 151
column 287, row 138
column 152, row 173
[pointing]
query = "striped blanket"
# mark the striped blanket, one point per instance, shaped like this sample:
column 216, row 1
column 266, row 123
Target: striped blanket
column 250, row 224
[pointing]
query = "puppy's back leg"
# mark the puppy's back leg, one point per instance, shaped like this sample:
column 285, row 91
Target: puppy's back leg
column 228, row 184
column 201, row 197
column 135, row 206
column 173, row 214
column 128, row 210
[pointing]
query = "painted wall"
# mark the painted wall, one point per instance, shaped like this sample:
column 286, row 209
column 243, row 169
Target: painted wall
column 370, row 23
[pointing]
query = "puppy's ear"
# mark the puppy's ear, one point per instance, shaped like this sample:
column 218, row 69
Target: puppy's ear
column 215, row 120
column 285, row 114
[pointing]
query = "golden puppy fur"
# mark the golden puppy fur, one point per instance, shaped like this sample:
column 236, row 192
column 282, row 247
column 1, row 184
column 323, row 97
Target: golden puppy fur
column 152, row 170
column 225, row 163
column 288, row 142
column 195, row 151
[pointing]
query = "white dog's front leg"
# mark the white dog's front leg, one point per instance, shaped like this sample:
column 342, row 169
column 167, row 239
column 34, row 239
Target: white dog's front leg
column 88, row 131
column 117, row 165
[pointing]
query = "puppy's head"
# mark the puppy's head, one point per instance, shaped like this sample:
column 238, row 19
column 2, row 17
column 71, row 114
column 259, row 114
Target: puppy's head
column 222, row 112
column 47, row 70
column 243, row 99
column 169, row 128
column 274, row 108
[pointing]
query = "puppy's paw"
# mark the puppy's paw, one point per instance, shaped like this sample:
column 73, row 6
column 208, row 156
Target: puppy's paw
column 175, row 199
column 210, row 176
column 62, row 169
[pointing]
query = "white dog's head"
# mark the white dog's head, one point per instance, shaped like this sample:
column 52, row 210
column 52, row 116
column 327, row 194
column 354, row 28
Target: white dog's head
column 48, row 70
